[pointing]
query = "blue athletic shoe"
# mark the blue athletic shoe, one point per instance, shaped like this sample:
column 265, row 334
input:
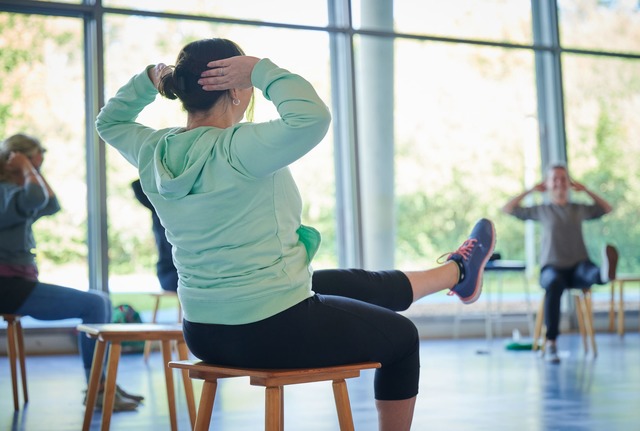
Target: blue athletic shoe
column 471, row 257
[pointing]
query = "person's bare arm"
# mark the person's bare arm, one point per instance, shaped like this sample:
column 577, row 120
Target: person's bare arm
column 515, row 202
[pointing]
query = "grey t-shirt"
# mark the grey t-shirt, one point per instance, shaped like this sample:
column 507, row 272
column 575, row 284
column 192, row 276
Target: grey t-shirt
column 562, row 244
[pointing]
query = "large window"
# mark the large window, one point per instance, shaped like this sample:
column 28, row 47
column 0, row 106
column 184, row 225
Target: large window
column 603, row 145
column 441, row 127
column 42, row 94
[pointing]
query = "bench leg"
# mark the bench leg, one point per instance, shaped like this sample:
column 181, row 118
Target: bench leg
column 147, row 343
column 13, row 360
column 94, row 383
column 589, row 326
column 581, row 315
column 343, row 406
column 274, row 417
column 537, row 332
column 168, row 377
column 205, row 408
column 183, row 354
column 110, row 384
column 23, row 365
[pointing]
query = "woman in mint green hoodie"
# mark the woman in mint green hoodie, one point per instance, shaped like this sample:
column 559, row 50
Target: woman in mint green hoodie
column 232, row 212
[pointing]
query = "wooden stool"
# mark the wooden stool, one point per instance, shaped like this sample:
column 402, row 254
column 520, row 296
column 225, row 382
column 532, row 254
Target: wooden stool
column 158, row 296
column 273, row 380
column 619, row 281
column 15, row 350
column 115, row 334
column 584, row 311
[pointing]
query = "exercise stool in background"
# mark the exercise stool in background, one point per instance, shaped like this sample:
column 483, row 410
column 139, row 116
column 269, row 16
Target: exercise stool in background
column 113, row 334
column 273, row 380
column 154, row 318
column 584, row 311
column 15, row 351
column 620, row 281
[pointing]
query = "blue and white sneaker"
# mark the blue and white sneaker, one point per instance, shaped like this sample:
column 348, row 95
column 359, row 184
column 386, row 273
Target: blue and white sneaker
column 471, row 257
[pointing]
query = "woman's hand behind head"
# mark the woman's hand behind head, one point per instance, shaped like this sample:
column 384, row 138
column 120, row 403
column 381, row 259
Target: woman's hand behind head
column 228, row 73
column 157, row 72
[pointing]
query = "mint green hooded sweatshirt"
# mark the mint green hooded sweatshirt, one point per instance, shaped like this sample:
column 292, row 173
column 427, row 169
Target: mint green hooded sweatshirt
column 226, row 197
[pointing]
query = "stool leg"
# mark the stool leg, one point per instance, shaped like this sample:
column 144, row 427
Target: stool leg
column 273, row 420
column 21, row 356
column 168, row 377
column 205, row 408
column 110, row 384
column 94, row 383
column 147, row 343
column 580, row 312
column 612, row 302
column 588, row 305
column 11, row 347
column 343, row 405
column 621, row 309
column 537, row 333
column 530, row 322
column 183, row 354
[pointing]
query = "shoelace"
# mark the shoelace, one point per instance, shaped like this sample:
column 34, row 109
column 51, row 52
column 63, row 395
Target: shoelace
column 464, row 250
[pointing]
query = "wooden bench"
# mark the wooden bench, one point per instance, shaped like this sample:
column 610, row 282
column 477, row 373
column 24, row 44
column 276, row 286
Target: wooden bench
column 112, row 335
column 273, row 380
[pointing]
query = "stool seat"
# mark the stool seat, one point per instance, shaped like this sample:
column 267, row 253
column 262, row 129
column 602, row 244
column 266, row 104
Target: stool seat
column 116, row 333
column 15, row 350
column 273, row 380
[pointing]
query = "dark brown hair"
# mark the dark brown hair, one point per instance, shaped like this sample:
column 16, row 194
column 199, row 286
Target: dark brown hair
column 192, row 61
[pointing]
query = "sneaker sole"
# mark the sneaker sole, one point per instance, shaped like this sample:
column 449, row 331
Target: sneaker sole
column 478, row 289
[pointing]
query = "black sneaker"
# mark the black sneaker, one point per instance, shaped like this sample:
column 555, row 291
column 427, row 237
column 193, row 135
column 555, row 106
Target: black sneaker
column 471, row 257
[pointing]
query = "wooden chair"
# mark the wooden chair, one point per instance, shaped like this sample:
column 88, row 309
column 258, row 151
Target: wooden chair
column 584, row 311
column 273, row 380
column 154, row 318
column 112, row 335
column 15, row 351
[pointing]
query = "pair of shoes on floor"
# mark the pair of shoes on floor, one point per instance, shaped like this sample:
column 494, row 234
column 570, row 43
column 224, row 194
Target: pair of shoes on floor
column 123, row 400
column 471, row 257
column 551, row 353
column 609, row 264
column 125, row 394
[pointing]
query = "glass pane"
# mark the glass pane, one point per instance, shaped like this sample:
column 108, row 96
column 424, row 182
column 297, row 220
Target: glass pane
column 313, row 13
column 43, row 95
column 132, row 43
column 494, row 20
column 63, row 1
column 602, row 99
column 600, row 25
column 465, row 134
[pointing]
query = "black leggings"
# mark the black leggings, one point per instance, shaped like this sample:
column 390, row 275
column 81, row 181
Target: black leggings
column 352, row 318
